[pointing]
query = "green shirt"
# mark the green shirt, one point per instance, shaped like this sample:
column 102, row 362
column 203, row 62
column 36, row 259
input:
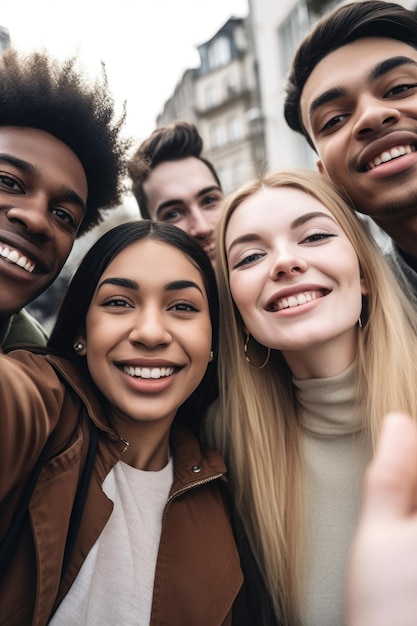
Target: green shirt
column 21, row 328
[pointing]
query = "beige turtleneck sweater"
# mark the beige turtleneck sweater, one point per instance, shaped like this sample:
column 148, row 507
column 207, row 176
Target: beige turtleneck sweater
column 335, row 460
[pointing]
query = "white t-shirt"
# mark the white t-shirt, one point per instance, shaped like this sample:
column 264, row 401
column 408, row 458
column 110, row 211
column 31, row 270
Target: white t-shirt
column 114, row 586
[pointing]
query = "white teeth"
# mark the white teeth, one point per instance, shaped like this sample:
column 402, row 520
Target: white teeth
column 296, row 300
column 388, row 155
column 13, row 256
column 148, row 372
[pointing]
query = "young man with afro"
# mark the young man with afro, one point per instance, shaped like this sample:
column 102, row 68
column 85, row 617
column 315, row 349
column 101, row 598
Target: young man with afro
column 62, row 161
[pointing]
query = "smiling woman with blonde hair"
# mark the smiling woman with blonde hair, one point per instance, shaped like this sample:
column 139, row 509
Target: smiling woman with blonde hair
column 317, row 344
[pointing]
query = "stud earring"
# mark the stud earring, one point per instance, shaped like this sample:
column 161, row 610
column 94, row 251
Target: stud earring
column 211, row 355
column 78, row 346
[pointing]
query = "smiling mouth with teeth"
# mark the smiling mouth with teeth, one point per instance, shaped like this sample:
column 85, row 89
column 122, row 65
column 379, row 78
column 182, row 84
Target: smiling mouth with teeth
column 389, row 155
column 296, row 300
column 210, row 248
column 148, row 372
column 11, row 255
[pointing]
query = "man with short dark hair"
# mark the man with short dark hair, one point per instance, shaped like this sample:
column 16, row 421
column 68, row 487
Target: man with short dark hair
column 173, row 183
column 62, row 160
column 352, row 92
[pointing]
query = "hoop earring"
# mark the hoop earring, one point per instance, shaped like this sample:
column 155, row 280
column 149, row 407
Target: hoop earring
column 360, row 322
column 247, row 357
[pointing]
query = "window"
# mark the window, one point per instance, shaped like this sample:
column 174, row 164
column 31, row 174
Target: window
column 238, row 174
column 216, row 136
column 290, row 34
column 234, row 129
column 225, row 178
column 212, row 96
column 4, row 38
column 230, row 87
column 219, row 53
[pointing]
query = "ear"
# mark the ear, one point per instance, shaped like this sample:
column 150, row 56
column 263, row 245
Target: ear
column 364, row 288
column 320, row 168
column 81, row 340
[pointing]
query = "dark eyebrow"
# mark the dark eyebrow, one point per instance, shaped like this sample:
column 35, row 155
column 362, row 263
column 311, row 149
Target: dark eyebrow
column 127, row 283
column 175, row 201
column 299, row 221
column 389, row 64
column 20, row 164
column 182, row 284
column 66, row 195
column 203, row 192
column 69, row 195
column 376, row 72
column 324, row 98
column 119, row 282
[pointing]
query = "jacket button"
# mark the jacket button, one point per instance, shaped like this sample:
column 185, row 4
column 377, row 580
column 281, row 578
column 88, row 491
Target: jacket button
column 196, row 469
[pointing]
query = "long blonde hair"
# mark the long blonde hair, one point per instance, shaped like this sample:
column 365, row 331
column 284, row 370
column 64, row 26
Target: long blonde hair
column 258, row 431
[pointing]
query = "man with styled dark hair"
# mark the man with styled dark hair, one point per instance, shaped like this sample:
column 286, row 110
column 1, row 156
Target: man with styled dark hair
column 62, row 161
column 352, row 92
column 173, row 183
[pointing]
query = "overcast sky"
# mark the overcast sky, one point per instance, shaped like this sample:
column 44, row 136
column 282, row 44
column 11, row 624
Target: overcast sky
column 146, row 44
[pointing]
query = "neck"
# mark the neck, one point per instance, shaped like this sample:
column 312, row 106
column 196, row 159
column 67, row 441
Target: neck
column 148, row 443
column 410, row 260
column 323, row 360
column 404, row 233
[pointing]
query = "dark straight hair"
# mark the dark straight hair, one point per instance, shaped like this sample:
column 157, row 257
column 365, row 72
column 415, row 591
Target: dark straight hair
column 174, row 142
column 72, row 315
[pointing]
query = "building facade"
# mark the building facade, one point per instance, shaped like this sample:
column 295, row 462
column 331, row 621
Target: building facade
column 277, row 28
column 221, row 98
column 181, row 105
column 4, row 39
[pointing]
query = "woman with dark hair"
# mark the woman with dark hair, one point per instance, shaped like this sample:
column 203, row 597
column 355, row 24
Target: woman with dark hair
column 112, row 512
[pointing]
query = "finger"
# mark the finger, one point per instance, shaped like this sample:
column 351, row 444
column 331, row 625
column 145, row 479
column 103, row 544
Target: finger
column 391, row 479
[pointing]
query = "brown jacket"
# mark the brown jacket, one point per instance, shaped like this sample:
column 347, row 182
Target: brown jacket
column 198, row 576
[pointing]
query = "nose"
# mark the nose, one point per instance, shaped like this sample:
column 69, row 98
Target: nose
column 34, row 215
column 373, row 116
column 200, row 227
column 149, row 328
column 287, row 263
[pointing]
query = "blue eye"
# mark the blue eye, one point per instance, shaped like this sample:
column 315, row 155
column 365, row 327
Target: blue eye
column 170, row 216
column 249, row 258
column 319, row 236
